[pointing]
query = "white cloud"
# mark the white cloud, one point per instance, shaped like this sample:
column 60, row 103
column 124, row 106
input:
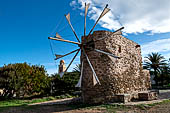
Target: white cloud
column 162, row 46
column 137, row 16
column 73, row 3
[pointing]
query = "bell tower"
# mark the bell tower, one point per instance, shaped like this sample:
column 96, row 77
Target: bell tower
column 61, row 67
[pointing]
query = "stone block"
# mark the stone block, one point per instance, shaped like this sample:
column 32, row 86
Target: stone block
column 124, row 98
column 148, row 96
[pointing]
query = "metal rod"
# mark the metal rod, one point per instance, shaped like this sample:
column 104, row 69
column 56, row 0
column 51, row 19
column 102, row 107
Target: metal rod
column 66, row 54
column 72, row 60
column 106, row 53
column 91, row 66
column 64, row 40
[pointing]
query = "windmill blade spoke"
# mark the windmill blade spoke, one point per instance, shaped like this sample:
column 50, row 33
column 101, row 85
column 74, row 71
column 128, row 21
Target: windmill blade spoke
column 72, row 60
column 68, row 19
column 58, row 39
column 85, row 14
column 106, row 10
column 94, row 73
column 60, row 56
column 100, row 51
column 81, row 74
column 109, row 34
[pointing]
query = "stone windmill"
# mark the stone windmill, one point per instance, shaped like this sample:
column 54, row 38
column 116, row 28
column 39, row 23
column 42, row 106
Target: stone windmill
column 87, row 44
column 111, row 65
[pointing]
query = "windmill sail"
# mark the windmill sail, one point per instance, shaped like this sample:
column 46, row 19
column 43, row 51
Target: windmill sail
column 106, row 10
column 86, row 10
column 94, row 80
column 58, row 36
column 79, row 82
column 58, row 56
column 94, row 73
column 100, row 51
column 68, row 19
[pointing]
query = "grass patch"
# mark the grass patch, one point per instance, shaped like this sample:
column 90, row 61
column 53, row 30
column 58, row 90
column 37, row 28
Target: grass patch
column 163, row 102
column 17, row 102
column 145, row 106
column 14, row 102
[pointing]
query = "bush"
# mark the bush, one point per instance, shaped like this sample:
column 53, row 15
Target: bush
column 22, row 80
column 66, row 84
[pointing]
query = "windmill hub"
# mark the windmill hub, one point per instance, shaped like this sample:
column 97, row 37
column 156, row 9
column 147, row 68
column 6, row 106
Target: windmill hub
column 88, row 43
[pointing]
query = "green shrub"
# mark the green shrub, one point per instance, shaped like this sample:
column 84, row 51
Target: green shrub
column 66, row 84
column 22, row 80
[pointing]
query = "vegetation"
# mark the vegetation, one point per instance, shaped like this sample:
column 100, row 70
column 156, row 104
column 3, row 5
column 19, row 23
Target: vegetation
column 159, row 67
column 66, row 84
column 21, row 105
column 22, row 80
column 17, row 102
column 77, row 68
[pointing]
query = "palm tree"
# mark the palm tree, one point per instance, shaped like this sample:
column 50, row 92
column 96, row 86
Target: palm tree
column 154, row 62
column 165, row 75
column 77, row 68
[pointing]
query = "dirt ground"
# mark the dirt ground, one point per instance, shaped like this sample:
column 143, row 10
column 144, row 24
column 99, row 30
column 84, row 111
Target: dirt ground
column 63, row 106
column 160, row 108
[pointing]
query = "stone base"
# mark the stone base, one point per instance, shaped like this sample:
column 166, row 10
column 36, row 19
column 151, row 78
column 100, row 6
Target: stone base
column 148, row 96
column 124, row 98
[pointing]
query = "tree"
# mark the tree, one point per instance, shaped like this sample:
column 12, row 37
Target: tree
column 66, row 84
column 77, row 68
column 165, row 75
column 21, row 79
column 154, row 62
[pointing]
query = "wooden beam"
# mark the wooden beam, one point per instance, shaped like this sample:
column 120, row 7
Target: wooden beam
column 68, row 19
column 58, row 39
column 106, row 10
column 66, row 54
column 72, row 60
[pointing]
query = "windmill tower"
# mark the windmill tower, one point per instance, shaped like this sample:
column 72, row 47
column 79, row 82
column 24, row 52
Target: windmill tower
column 111, row 65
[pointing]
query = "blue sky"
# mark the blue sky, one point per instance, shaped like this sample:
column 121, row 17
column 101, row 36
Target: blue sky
column 25, row 26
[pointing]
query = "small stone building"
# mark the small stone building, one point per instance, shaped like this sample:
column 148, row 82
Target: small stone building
column 121, row 79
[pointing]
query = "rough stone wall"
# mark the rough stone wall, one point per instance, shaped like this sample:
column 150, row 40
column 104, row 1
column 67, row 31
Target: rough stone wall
column 117, row 76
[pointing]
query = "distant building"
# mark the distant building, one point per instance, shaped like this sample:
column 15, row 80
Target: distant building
column 61, row 67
